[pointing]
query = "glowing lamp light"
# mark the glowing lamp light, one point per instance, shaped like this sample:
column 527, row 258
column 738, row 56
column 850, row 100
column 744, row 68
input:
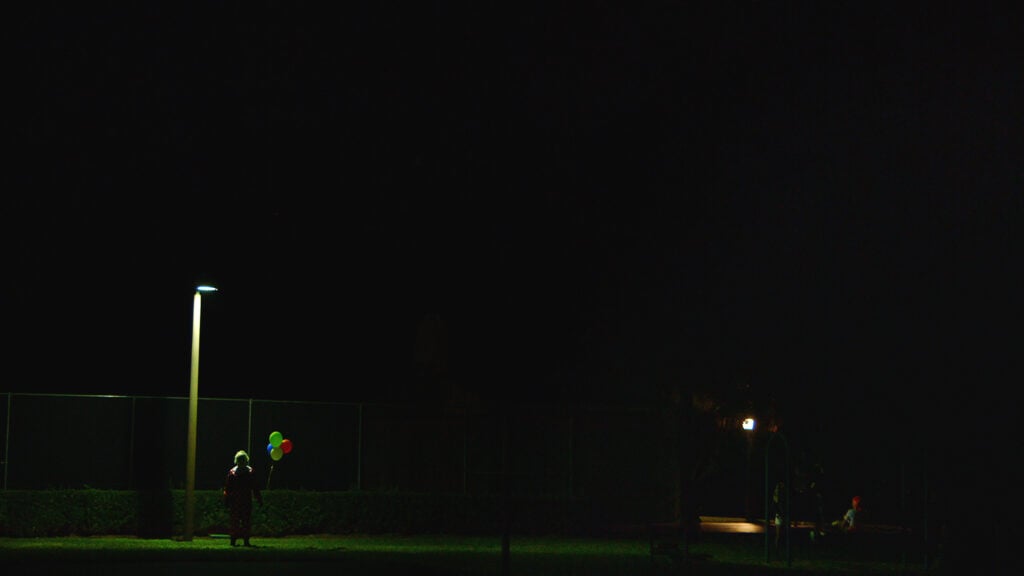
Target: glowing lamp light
column 748, row 423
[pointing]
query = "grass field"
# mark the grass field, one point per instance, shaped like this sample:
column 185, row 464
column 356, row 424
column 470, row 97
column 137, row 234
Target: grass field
column 353, row 555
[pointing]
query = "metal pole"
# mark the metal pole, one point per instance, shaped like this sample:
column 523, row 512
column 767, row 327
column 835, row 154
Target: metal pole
column 767, row 505
column 193, row 409
column 506, row 513
column 789, row 514
column 359, row 451
column 7, row 439
column 572, row 464
column 767, row 499
column 248, row 434
column 465, row 450
column 131, row 448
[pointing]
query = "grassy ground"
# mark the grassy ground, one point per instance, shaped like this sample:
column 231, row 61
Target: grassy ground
column 355, row 555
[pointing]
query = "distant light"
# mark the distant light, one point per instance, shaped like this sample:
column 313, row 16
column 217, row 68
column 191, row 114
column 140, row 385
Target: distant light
column 748, row 423
column 205, row 288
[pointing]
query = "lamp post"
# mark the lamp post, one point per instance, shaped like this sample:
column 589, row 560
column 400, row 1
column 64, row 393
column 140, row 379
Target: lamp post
column 193, row 408
column 749, row 424
column 783, row 511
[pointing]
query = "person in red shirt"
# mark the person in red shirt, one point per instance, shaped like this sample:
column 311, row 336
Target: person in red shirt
column 240, row 489
column 848, row 523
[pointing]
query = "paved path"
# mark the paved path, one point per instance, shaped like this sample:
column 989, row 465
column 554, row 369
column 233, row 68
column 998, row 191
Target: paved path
column 742, row 526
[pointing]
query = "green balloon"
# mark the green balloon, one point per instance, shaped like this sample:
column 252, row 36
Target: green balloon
column 276, row 438
column 276, row 453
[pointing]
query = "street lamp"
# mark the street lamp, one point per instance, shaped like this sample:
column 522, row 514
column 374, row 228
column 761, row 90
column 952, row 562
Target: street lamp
column 193, row 408
column 749, row 424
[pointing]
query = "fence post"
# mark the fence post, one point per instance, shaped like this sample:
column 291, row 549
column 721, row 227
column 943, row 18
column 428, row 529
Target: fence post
column 131, row 448
column 248, row 433
column 359, row 450
column 767, row 499
column 7, row 439
column 572, row 464
column 465, row 451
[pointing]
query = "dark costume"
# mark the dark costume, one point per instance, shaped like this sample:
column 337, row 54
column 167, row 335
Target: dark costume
column 240, row 489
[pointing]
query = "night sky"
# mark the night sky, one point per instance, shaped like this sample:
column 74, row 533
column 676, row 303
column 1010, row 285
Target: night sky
column 816, row 209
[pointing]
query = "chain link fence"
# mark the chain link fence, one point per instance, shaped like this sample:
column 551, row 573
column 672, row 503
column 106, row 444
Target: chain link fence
column 139, row 443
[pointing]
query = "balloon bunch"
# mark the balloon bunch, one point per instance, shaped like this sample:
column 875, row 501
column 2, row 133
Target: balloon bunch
column 278, row 446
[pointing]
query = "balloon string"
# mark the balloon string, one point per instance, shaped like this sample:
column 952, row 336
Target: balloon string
column 269, row 476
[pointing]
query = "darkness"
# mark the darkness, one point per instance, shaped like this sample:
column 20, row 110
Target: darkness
column 809, row 208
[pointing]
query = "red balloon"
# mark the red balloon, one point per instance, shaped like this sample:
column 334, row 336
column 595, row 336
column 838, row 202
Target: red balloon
column 286, row 445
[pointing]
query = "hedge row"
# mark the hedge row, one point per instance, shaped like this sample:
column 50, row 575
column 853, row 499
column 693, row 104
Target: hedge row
column 34, row 513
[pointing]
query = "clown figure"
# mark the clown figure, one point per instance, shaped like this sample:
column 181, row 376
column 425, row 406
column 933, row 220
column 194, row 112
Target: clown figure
column 240, row 489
